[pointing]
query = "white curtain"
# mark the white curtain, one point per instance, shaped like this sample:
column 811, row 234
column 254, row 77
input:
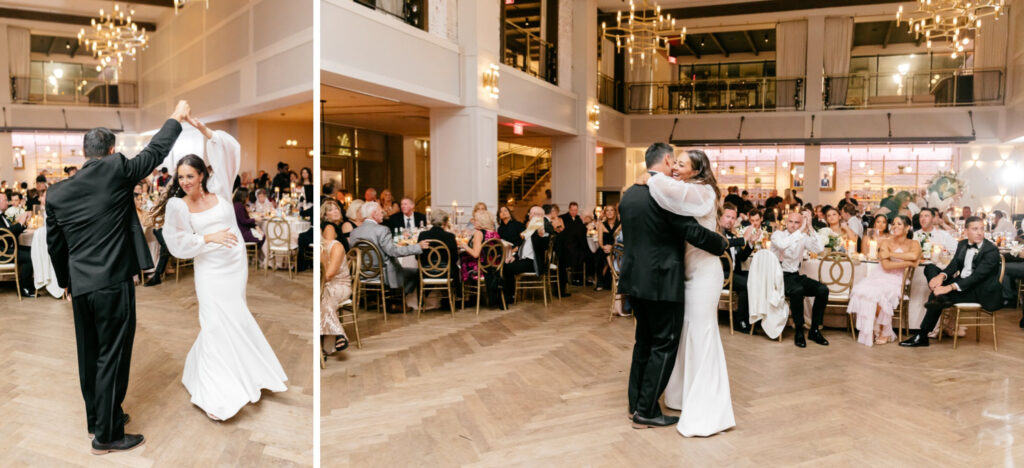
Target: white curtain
column 790, row 61
column 836, row 60
column 990, row 52
column 19, row 51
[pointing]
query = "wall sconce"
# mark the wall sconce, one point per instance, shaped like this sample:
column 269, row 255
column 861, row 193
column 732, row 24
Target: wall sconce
column 594, row 116
column 291, row 143
column 491, row 81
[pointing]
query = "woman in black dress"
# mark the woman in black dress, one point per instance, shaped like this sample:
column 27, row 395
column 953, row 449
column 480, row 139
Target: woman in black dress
column 509, row 229
column 606, row 231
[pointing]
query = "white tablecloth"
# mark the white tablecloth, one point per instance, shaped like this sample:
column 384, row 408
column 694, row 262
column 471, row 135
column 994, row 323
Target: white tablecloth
column 43, row 274
column 26, row 237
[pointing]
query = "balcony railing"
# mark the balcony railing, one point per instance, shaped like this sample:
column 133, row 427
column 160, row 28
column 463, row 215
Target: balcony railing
column 407, row 11
column 609, row 91
column 81, row 92
column 526, row 51
column 719, row 95
column 937, row 88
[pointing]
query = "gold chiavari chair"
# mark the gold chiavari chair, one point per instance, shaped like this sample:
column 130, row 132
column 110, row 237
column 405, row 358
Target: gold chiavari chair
column 727, row 295
column 435, row 268
column 972, row 314
column 252, row 250
column 554, row 278
column 538, row 280
column 279, row 244
column 614, row 260
column 179, row 263
column 352, row 260
column 9, row 259
column 836, row 272
column 491, row 262
column 372, row 278
column 901, row 313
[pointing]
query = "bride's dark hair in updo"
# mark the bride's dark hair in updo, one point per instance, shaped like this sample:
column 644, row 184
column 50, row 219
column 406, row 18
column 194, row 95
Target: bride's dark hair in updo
column 705, row 174
column 156, row 216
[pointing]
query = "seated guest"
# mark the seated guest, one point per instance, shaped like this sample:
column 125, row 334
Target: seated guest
column 606, row 231
column 850, row 218
column 508, row 228
column 17, row 226
column 330, row 224
column 263, row 205
column 250, row 231
column 337, row 289
column 756, row 226
column 879, row 232
column 483, row 225
column 550, row 214
column 438, row 223
column 574, row 250
column 387, row 203
column 875, row 297
column 1002, row 224
column 930, row 231
column 355, row 219
column 406, row 218
column 819, row 217
column 531, row 255
column 17, row 201
column 370, row 195
column 836, row 224
column 789, row 246
column 972, row 276
column 373, row 231
column 739, row 251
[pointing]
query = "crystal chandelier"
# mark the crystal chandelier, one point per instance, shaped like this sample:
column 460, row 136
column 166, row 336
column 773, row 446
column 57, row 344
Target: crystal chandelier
column 113, row 36
column 949, row 20
column 644, row 33
column 179, row 4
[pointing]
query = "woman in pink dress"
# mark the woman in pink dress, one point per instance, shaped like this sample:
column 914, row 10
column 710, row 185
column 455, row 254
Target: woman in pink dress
column 875, row 297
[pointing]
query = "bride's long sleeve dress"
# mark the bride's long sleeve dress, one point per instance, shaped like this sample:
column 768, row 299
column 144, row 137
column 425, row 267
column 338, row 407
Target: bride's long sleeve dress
column 230, row 362
column 699, row 385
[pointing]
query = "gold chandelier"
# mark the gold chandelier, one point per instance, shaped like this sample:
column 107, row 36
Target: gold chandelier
column 949, row 20
column 113, row 36
column 644, row 33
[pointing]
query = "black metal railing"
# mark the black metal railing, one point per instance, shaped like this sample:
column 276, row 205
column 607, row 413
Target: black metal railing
column 408, row 11
column 66, row 91
column 525, row 51
column 609, row 91
column 763, row 94
column 935, row 88
column 518, row 174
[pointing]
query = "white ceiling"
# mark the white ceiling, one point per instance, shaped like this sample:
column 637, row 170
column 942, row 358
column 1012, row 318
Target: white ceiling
column 85, row 7
column 357, row 110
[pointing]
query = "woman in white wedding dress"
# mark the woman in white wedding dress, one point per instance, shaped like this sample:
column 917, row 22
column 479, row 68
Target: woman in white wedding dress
column 230, row 362
column 699, row 385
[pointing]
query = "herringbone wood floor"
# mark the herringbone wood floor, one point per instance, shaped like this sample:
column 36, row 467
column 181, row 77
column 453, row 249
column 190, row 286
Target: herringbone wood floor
column 42, row 418
column 536, row 387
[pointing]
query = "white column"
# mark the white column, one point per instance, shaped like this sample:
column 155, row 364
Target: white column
column 6, row 164
column 463, row 148
column 6, row 161
column 812, row 173
column 615, row 167
column 815, row 62
column 409, row 181
column 574, row 158
column 5, row 68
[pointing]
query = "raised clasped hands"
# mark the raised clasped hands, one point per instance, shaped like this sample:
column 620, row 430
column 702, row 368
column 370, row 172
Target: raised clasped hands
column 182, row 112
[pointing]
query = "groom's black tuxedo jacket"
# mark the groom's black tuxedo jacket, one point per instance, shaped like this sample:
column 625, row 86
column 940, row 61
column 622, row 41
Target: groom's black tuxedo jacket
column 984, row 279
column 652, row 263
column 92, row 230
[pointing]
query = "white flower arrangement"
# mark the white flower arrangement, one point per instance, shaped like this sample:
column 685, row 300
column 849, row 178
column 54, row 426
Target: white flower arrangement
column 13, row 213
column 828, row 238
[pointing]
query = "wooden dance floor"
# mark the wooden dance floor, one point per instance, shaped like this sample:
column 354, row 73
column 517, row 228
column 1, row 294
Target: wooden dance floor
column 42, row 417
column 536, row 387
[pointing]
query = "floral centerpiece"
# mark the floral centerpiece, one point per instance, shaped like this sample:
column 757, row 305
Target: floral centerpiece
column 13, row 213
column 925, row 239
column 829, row 238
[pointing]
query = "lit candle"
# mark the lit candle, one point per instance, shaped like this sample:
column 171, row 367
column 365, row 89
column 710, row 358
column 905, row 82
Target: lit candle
column 428, row 212
column 768, row 244
column 873, row 249
column 936, row 250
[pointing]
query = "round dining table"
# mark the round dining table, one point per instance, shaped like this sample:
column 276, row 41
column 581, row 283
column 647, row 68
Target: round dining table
column 296, row 225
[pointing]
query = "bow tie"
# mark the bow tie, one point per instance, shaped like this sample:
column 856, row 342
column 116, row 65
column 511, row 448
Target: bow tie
column 973, row 246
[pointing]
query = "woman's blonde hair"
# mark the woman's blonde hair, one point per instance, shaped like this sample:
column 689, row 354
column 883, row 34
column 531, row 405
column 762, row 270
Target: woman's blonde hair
column 323, row 209
column 353, row 209
column 484, row 219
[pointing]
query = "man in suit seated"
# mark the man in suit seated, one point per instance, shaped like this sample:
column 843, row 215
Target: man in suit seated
column 449, row 256
column 17, row 226
column 530, row 257
column 972, row 276
column 739, row 251
column 789, row 246
column 373, row 231
column 406, row 218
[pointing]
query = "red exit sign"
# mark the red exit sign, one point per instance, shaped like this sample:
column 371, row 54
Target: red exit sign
column 510, row 2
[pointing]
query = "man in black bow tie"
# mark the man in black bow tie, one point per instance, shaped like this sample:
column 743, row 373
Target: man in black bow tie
column 972, row 276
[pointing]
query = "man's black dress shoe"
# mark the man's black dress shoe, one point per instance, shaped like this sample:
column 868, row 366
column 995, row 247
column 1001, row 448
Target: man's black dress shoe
column 742, row 327
column 565, row 294
column 799, row 340
column 915, row 341
column 815, row 336
column 129, row 442
column 1022, row 322
column 26, row 292
column 125, row 419
column 640, row 422
column 155, row 280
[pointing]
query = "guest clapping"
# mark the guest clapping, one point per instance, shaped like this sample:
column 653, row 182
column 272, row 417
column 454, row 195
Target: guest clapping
column 789, row 246
column 263, row 204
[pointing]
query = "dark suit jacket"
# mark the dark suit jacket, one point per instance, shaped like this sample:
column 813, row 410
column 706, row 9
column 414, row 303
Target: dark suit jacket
column 540, row 250
column 984, row 279
column 734, row 199
column 512, row 232
column 15, row 228
column 743, row 252
column 652, row 264
column 397, row 220
column 436, row 233
column 92, row 231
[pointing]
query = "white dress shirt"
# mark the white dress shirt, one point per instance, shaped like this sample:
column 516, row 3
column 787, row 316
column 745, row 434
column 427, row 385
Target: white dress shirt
column 940, row 237
column 408, row 221
column 856, row 225
column 789, row 247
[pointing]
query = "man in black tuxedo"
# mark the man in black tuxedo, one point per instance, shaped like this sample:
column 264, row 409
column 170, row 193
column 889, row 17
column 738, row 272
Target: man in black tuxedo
column 406, row 218
column 739, row 251
column 97, row 245
column 28, row 287
column 972, row 276
column 438, row 220
column 734, row 196
column 652, row 274
column 530, row 256
column 574, row 251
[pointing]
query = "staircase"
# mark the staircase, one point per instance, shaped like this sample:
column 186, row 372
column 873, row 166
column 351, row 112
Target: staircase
column 522, row 173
